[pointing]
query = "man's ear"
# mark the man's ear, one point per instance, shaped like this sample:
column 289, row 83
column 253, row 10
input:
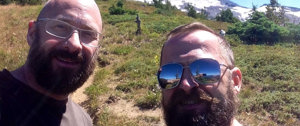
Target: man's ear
column 31, row 32
column 237, row 80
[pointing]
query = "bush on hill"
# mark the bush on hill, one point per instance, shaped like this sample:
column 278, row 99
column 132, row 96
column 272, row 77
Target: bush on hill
column 226, row 16
column 191, row 12
column 259, row 30
column 119, row 10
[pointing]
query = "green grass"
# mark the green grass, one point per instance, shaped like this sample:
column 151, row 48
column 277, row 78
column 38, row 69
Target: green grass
column 128, row 65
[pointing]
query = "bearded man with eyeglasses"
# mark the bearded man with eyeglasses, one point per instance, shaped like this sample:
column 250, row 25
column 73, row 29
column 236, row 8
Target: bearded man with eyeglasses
column 198, row 78
column 63, row 49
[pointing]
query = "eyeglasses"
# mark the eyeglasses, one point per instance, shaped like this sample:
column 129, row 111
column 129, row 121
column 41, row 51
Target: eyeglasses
column 204, row 71
column 63, row 30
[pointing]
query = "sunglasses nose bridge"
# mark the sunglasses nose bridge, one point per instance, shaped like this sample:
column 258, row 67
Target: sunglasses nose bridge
column 187, row 82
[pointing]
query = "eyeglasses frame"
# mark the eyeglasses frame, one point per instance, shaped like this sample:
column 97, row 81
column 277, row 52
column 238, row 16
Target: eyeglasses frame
column 75, row 29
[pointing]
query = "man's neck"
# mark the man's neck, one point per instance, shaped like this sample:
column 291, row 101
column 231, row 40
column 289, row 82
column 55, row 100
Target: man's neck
column 25, row 75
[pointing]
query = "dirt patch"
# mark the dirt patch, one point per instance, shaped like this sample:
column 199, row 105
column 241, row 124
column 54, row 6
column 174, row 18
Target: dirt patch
column 125, row 108
column 79, row 96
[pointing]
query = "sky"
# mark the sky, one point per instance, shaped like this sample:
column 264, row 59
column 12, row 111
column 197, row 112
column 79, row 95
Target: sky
column 258, row 3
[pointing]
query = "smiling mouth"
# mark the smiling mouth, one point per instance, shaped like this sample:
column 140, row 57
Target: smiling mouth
column 67, row 62
column 193, row 105
column 190, row 102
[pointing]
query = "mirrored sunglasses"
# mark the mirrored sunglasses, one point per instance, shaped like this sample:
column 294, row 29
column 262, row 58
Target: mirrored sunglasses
column 204, row 71
column 61, row 29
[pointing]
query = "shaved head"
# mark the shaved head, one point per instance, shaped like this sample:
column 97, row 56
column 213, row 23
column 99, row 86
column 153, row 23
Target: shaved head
column 61, row 65
column 79, row 9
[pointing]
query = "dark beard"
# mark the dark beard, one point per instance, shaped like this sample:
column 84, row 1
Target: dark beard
column 220, row 112
column 60, row 81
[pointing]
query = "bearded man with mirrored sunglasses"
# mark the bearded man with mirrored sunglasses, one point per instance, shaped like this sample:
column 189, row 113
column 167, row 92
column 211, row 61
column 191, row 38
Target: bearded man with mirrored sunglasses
column 63, row 49
column 198, row 78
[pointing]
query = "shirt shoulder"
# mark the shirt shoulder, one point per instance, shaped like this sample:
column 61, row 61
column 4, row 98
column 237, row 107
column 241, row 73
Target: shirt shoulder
column 75, row 115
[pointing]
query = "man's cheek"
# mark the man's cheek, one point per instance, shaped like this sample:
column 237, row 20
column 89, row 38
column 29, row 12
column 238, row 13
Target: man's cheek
column 166, row 97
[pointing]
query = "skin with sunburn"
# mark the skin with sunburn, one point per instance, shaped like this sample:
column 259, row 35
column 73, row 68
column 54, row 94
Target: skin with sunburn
column 191, row 103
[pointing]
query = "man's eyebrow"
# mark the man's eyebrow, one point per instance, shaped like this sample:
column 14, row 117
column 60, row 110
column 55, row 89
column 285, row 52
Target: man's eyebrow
column 82, row 25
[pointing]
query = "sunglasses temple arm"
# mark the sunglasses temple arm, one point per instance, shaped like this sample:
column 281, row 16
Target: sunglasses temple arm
column 222, row 77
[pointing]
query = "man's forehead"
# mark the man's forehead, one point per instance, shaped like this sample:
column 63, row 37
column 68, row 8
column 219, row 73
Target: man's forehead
column 74, row 11
column 191, row 46
column 197, row 39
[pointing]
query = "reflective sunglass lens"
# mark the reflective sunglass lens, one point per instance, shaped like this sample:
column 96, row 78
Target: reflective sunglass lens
column 170, row 75
column 205, row 71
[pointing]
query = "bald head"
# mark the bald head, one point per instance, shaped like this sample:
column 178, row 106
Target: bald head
column 79, row 11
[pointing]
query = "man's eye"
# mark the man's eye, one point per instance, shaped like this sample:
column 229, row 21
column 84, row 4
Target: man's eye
column 88, row 34
column 60, row 27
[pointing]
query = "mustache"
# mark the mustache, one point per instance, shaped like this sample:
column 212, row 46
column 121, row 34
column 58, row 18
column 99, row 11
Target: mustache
column 74, row 56
column 196, row 94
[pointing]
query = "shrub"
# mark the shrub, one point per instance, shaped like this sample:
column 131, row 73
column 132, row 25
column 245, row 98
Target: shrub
column 233, row 40
column 226, row 16
column 164, row 9
column 5, row 2
column 116, row 10
column 259, row 30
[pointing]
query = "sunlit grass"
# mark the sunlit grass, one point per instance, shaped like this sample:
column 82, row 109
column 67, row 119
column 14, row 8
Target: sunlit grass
column 129, row 62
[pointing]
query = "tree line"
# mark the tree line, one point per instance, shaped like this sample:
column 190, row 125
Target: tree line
column 266, row 28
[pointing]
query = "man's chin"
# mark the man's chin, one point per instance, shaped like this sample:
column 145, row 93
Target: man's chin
column 197, row 108
column 187, row 118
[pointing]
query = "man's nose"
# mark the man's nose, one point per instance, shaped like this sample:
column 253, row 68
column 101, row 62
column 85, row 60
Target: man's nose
column 187, row 82
column 73, row 42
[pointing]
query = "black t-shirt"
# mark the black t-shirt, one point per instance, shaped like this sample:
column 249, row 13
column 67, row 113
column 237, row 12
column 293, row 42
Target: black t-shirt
column 20, row 105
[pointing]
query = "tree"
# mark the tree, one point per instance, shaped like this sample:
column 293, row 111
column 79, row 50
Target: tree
column 273, row 15
column 274, row 3
column 254, row 7
column 226, row 16
column 5, row 2
column 191, row 11
column 281, row 17
column 164, row 9
column 158, row 3
column 203, row 14
column 259, row 30
column 120, row 4
column 294, row 35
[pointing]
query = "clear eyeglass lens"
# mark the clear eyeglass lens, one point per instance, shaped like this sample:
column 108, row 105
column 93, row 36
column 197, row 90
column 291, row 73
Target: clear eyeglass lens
column 61, row 29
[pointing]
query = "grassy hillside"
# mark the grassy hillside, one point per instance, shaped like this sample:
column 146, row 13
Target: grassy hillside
column 124, row 91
